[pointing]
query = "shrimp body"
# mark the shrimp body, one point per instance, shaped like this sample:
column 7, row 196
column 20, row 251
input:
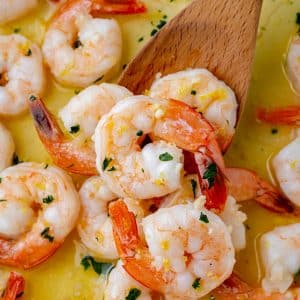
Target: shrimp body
column 38, row 209
column 286, row 165
column 121, row 285
column 13, row 9
column 86, row 108
column 78, row 48
column 156, row 169
column 7, row 148
column 293, row 63
column 280, row 253
column 189, row 250
column 94, row 226
column 22, row 73
column 203, row 91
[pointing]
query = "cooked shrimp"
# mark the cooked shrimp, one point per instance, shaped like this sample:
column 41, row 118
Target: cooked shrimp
column 245, row 185
column 80, row 116
column 189, row 250
column 21, row 73
column 94, row 226
column 203, row 91
column 80, row 48
column 38, row 209
column 14, row 288
column 280, row 265
column 7, row 148
column 156, row 169
column 84, row 110
column 293, row 63
column 14, row 9
column 122, row 286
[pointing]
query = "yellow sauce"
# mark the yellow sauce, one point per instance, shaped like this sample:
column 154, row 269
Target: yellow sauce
column 60, row 278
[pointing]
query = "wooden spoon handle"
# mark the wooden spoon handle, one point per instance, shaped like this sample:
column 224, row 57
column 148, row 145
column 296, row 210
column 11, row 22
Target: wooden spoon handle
column 219, row 35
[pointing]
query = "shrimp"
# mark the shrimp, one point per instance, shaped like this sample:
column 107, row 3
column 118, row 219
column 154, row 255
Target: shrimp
column 94, row 226
column 122, row 286
column 14, row 9
column 7, row 148
column 156, row 169
column 245, row 185
column 293, row 63
column 189, row 251
column 203, row 91
column 14, row 288
column 80, row 48
column 21, row 73
column 281, row 266
column 80, row 116
column 38, row 209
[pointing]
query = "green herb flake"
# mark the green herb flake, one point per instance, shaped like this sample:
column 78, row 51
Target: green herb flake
column 165, row 17
column 76, row 92
column 17, row 30
column 48, row 199
column 45, row 234
column 46, row 166
column 161, row 24
column 98, row 267
column 142, row 169
column 32, row 98
column 16, row 159
column 196, row 283
column 298, row 18
column 210, row 174
column 29, row 52
column 77, row 44
column 165, row 156
column 194, row 187
column 141, row 39
column 133, row 294
column 0, row 179
column 297, row 276
column 113, row 168
column 3, row 200
column 74, row 129
column 193, row 92
column 139, row 133
column 203, row 217
column 124, row 66
column 274, row 130
column 153, row 32
column 99, row 79
column 105, row 163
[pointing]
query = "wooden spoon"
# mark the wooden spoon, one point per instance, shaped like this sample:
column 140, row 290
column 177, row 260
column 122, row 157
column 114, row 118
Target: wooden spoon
column 218, row 35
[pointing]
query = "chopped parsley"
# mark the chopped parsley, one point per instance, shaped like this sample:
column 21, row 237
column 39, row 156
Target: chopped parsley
column 193, row 92
column 165, row 156
column 45, row 234
column 76, row 92
column 203, row 217
column 3, row 200
column 194, row 186
column 142, row 169
column 46, row 166
column 16, row 159
column 196, row 283
column 77, row 44
column 274, row 130
column 141, row 39
column 17, row 30
column 297, row 276
column 74, row 129
column 139, row 133
column 32, row 98
column 113, row 168
column 133, row 294
column 153, row 32
column 100, row 78
column 165, row 17
column 105, row 163
column 210, row 174
column 0, row 179
column 29, row 52
column 48, row 199
column 124, row 66
column 298, row 18
column 99, row 267
column 161, row 24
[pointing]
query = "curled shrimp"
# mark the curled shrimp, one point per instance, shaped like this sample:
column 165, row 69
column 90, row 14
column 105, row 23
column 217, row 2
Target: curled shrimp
column 7, row 148
column 188, row 251
column 203, row 91
column 80, row 116
column 155, row 170
column 14, row 9
column 245, row 185
column 39, row 207
column 21, row 73
column 293, row 63
column 80, row 48
column 121, row 286
column 94, row 225
column 15, row 287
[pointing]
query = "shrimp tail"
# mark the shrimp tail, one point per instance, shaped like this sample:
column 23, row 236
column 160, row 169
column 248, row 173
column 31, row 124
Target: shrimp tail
column 282, row 116
column 15, row 287
column 244, row 185
column 100, row 7
column 67, row 155
column 136, row 257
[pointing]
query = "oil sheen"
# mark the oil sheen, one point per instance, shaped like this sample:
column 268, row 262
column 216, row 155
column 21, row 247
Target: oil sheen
column 62, row 277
